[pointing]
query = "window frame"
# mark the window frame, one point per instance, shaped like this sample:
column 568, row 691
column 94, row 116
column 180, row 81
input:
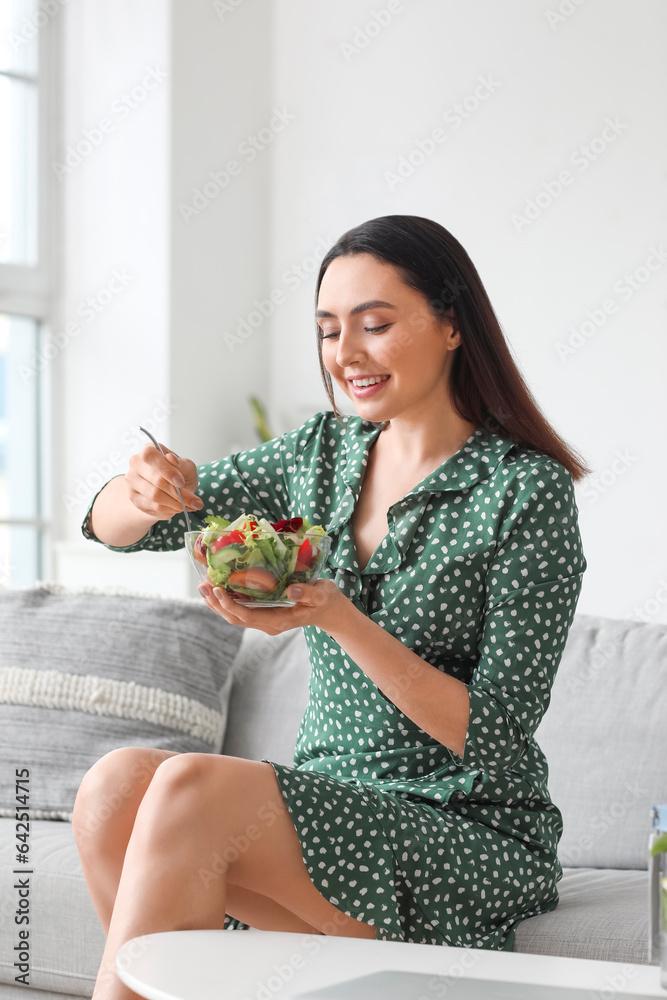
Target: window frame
column 30, row 291
column 26, row 290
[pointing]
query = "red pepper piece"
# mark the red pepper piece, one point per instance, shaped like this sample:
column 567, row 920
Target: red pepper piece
column 304, row 557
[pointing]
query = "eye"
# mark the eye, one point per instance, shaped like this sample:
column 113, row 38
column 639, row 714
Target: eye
column 368, row 329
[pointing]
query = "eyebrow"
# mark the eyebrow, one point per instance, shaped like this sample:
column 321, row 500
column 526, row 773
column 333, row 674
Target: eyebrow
column 362, row 307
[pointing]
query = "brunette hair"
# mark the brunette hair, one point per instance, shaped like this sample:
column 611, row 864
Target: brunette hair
column 486, row 386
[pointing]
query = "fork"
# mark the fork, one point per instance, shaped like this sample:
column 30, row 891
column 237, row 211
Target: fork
column 148, row 434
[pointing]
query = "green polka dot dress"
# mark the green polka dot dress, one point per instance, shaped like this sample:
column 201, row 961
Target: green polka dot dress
column 479, row 575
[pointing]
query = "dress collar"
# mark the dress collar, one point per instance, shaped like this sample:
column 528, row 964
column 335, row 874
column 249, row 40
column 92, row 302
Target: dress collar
column 474, row 461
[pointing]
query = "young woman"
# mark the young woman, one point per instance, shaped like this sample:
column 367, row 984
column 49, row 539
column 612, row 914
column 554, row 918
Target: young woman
column 417, row 807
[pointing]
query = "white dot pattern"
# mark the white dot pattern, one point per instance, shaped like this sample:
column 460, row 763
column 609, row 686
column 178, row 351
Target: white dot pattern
column 479, row 574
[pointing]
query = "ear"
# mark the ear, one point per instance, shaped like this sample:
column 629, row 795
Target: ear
column 452, row 332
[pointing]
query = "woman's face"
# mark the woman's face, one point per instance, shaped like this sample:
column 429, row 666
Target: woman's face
column 375, row 325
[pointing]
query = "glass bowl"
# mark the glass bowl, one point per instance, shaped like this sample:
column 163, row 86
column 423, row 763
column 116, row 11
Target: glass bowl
column 264, row 585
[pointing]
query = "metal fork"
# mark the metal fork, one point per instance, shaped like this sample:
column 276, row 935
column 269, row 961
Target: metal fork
column 148, row 434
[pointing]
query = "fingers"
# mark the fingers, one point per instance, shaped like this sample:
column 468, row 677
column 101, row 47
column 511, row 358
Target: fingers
column 152, row 480
column 228, row 608
column 186, row 470
column 221, row 603
column 152, row 500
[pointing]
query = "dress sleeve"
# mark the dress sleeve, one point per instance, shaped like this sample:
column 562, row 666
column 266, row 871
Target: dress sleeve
column 255, row 482
column 532, row 590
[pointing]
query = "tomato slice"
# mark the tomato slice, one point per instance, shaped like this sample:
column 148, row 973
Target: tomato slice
column 253, row 579
column 229, row 539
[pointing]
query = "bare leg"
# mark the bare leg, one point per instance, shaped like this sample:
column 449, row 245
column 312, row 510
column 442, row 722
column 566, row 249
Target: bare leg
column 103, row 817
column 158, row 889
column 194, row 808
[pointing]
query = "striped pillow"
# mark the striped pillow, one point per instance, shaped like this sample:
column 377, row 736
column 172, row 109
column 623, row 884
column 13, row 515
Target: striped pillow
column 83, row 671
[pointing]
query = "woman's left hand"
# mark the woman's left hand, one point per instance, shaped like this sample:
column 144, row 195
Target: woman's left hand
column 320, row 603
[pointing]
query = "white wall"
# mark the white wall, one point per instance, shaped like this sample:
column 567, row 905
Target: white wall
column 554, row 86
column 351, row 117
column 153, row 356
column 112, row 375
column 219, row 239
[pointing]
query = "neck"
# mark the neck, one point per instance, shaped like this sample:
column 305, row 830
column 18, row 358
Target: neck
column 422, row 446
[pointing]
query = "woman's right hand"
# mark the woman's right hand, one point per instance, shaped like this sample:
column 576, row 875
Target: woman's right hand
column 152, row 480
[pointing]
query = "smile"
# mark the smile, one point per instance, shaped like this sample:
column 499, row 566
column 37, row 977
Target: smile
column 362, row 388
column 369, row 381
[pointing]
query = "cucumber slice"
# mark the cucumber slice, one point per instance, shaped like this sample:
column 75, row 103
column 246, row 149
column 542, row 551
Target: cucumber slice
column 224, row 556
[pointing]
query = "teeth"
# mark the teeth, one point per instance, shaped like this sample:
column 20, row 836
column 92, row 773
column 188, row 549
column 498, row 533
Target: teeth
column 369, row 381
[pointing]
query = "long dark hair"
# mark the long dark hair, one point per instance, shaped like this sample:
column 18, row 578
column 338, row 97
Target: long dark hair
column 486, row 386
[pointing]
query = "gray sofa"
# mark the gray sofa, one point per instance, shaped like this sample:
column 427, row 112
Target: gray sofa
column 604, row 735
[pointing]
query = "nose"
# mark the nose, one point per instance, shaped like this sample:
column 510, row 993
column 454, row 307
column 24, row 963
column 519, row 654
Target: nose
column 349, row 348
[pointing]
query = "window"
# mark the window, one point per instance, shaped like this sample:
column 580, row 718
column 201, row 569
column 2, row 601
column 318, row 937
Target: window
column 27, row 91
column 21, row 525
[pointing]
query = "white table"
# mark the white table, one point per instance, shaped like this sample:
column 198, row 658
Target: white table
column 261, row 965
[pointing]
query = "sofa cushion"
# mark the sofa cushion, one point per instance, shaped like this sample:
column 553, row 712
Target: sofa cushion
column 605, row 740
column 269, row 696
column 66, row 936
column 85, row 671
column 601, row 914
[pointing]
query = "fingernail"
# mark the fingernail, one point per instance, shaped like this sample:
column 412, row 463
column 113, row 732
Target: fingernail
column 178, row 481
column 295, row 592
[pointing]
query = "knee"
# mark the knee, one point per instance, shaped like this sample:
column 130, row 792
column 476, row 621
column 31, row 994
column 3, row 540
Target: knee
column 176, row 796
column 112, row 781
column 180, row 776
